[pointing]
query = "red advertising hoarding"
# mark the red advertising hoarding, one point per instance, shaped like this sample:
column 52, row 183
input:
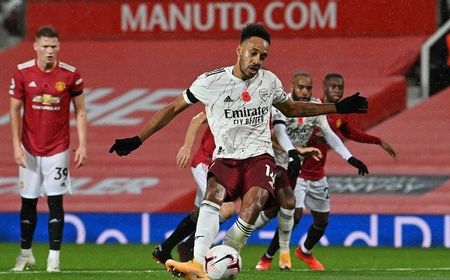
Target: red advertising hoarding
column 224, row 19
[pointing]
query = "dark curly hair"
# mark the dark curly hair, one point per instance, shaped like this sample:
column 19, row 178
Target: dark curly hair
column 255, row 30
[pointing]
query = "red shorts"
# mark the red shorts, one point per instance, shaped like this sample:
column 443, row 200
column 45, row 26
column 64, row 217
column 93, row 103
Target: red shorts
column 238, row 176
column 282, row 180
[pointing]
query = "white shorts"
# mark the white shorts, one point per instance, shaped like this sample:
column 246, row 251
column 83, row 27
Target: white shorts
column 200, row 173
column 45, row 175
column 313, row 195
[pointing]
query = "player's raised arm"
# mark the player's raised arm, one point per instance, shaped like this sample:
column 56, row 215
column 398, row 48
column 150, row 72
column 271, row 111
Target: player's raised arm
column 164, row 116
column 352, row 104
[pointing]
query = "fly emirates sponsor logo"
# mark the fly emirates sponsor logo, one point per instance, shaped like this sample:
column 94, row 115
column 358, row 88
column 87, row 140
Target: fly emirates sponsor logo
column 247, row 116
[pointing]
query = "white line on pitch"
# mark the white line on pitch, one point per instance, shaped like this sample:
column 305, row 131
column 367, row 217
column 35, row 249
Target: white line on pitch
column 399, row 269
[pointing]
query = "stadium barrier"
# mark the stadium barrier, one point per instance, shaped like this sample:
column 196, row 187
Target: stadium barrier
column 143, row 228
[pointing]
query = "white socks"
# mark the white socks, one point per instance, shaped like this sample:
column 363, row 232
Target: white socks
column 26, row 252
column 238, row 234
column 262, row 220
column 54, row 254
column 304, row 250
column 207, row 229
column 285, row 224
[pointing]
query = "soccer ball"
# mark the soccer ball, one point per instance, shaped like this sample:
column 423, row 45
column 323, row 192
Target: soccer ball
column 222, row 262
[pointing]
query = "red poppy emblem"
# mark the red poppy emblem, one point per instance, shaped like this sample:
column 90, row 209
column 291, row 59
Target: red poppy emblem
column 246, row 96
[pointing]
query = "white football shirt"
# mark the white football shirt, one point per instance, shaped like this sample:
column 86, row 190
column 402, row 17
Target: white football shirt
column 300, row 129
column 238, row 111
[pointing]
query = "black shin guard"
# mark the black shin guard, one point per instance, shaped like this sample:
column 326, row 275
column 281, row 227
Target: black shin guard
column 315, row 232
column 28, row 221
column 185, row 228
column 55, row 221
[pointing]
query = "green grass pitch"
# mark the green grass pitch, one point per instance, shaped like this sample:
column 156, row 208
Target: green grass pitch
column 134, row 262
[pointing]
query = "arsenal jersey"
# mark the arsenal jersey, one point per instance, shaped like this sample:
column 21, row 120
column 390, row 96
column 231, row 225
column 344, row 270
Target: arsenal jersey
column 238, row 111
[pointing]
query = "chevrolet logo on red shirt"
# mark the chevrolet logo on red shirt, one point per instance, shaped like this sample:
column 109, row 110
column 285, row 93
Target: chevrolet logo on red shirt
column 46, row 99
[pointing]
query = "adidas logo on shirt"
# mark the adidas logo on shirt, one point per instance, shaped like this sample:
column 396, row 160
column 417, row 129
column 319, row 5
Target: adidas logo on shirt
column 32, row 84
column 228, row 99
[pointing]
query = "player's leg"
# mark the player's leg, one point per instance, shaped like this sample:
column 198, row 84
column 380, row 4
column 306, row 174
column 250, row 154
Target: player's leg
column 31, row 178
column 257, row 186
column 318, row 200
column 55, row 231
column 285, row 224
column 186, row 248
column 187, row 226
column 56, row 181
column 226, row 211
column 265, row 262
column 316, row 230
column 252, row 203
column 264, row 217
column 206, row 230
column 286, row 206
column 28, row 221
column 224, row 181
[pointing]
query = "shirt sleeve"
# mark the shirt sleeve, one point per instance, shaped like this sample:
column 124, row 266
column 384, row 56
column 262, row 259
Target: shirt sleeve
column 278, row 117
column 16, row 89
column 282, row 137
column 332, row 139
column 355, row 134
column 198, row 91
column 78, row 84
column 280, row 95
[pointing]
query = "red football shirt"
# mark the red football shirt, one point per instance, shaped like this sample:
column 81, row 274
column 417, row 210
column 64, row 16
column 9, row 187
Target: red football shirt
column 46, row 99
column 205, row 152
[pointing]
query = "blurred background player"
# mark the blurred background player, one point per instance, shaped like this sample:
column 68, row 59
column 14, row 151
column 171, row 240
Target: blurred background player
column 313, row 171
column 333, row 91
column 199, row 168
column 44, row 87
column 237, row 100
column 287, row 168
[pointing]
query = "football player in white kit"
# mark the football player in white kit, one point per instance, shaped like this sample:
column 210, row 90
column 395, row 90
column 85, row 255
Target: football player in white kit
column 238, row 101
column 314, row 195
column 199, row 168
